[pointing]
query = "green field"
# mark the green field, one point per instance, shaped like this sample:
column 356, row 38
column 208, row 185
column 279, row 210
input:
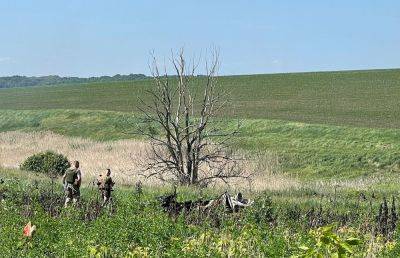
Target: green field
column 355, row 98
column 307, row 151
column 332, row 134
column 336, row 134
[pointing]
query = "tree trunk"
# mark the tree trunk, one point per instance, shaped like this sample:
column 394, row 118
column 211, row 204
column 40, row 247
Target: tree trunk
column 194, row 176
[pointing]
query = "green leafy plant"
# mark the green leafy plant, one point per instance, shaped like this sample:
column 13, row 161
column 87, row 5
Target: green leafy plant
column 326, row 243
column 262, row 212
column 46, row 162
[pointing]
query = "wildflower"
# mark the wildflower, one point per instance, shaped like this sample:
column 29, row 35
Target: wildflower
column 29, row 229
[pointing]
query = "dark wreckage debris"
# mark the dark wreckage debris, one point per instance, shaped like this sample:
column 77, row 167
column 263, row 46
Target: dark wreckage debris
column 230, row 204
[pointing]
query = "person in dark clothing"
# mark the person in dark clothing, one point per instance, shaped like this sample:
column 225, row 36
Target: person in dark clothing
column 72, row 182
column 105, row 184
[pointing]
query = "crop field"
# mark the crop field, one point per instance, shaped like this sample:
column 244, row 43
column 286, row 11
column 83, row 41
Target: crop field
column 324, row 149
column 355, row 98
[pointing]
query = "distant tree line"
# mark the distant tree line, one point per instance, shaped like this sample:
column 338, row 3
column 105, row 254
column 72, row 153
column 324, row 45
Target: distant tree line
column 24, row 81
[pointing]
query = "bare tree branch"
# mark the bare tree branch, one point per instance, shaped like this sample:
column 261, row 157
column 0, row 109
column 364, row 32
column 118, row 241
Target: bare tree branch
column 191, row 149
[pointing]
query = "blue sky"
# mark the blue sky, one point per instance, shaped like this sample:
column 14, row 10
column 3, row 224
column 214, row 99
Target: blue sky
column 91, row 38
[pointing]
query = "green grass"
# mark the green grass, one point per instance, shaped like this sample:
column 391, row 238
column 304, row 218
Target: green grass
column 308, row 151
column 97, row 125
column 137, row 227
column 276, row 225
column 355, row 98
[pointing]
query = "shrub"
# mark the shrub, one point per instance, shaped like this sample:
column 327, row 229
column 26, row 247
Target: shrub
column 46, row 162
column 262, row 211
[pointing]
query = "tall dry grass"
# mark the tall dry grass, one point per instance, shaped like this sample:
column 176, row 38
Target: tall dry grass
column 126, row 159
column 123, row 157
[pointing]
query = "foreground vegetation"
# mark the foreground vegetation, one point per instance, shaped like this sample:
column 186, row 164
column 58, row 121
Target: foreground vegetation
column 279, row 224
column 356, row 98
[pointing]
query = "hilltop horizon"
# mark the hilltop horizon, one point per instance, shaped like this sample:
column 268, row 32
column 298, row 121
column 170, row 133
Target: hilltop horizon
column 221, row 75
column 20, row 81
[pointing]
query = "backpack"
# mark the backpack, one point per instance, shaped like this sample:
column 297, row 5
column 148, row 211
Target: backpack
column 104, row 182
column 100, row 182
column 108, row 183
column 71, row 175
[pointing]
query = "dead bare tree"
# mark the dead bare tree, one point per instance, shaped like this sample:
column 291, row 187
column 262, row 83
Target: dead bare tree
column 190, row 148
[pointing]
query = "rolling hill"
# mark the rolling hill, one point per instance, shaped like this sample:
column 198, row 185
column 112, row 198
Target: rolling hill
column 357, row 98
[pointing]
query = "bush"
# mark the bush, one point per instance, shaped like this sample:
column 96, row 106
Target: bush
column 262, row 211
column 46, row 162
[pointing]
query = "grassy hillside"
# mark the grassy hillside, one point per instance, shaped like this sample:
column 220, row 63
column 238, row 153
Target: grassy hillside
column 305, row 150
column 341, row 173
column 356, row 98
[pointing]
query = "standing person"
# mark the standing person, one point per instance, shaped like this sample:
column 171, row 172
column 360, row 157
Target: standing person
column 105, row 184
column 72, row 182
